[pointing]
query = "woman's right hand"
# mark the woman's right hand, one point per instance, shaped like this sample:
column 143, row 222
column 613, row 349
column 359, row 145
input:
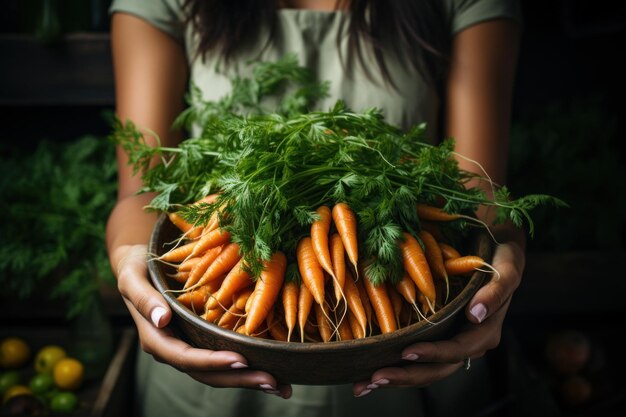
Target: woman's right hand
column 152, row 315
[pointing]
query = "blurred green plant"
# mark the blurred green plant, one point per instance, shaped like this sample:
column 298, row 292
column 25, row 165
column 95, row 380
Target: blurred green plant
column 56, row 200
column 570, row 150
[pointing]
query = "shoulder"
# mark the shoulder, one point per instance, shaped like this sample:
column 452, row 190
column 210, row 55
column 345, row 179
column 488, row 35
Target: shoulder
column 166, row 15
column 464, row 13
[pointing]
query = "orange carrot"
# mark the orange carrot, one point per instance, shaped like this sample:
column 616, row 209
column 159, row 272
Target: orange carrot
column 346, row 223
column 433, row 254
column 207, row 289
column 196, row 231
column 180, row 276
column 201, row 267
column 323, row 324
column 464, row 265
column 434, row 258
column 448, row 251
column 424, row 303
column 213, row 221
column 241, row 298
column 365, row 301
column 230, row 318
column 338, row 259
column 179, row 222
column 179, row 253
column 319, row 238
column 209, row 240
column 344, row 331
column 432, row 213
column 357, row 330
column 305, row 302
column 354, row 302
column 213, row 315
column 310, row 269
column 188, row 264
column 396, row 302
column 194, row 300
column 381, row 304
column 223, row 263
column 236, row 279
column 406, row 288
column 266, row 289
column 276, row 328
column 189, row 230
column 290, row 294
column 249, row 302
column 416, row 265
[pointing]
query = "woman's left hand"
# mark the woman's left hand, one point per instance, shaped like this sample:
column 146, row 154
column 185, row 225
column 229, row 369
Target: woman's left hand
column 429, row 362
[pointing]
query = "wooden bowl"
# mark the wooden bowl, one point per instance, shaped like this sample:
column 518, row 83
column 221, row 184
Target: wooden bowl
column 320, row 363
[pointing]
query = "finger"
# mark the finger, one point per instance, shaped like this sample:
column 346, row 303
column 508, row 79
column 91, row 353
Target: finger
column 418, row 375
column 508, row 261
column 244, row 379
column 471, row 342
column 167, row 348
column 134, row 286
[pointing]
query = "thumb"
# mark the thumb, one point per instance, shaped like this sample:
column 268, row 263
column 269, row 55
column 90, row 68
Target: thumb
column 138, row 292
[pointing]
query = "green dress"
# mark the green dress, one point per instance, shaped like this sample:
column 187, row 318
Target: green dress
column 312, row 35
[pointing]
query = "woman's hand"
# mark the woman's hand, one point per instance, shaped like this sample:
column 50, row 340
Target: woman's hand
column 433, row 361
column 152, row 314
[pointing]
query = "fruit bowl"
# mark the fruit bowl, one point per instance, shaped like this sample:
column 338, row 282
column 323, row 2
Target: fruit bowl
column 315, row 363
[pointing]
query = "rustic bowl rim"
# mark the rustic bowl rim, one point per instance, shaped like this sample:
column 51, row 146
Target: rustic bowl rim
column 447, row 312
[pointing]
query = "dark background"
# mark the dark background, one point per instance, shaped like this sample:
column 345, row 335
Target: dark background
column 568, row 119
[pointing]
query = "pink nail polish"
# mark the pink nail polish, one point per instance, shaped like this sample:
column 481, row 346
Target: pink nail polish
column 156, row 315
column 238, row 365
column 479, row 311
column 363, row 393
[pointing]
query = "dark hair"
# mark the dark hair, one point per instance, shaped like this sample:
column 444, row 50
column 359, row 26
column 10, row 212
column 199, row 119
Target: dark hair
column 415, row 30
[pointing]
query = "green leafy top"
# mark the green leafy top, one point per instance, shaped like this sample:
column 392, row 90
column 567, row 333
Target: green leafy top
column 273, row 169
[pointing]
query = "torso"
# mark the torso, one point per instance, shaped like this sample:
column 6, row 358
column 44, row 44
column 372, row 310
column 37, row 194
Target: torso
column 319, row 39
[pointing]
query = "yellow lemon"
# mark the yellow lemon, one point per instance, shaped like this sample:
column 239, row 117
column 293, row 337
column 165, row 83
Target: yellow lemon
column 68, row 373
column 47, row 357
column 14, row 352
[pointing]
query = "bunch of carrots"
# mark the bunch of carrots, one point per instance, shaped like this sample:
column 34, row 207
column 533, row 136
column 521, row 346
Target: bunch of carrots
column 333, row 299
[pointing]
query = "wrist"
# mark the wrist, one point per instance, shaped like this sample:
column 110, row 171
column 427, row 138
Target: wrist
column 511, row 234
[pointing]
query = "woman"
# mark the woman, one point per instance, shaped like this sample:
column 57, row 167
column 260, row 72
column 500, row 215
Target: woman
column 450, row 63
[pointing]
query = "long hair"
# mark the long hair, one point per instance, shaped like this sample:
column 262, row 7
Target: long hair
column 415, row 30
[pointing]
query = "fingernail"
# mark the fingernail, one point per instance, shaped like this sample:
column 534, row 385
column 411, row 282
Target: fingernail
column 267, row 387
column 272, row 391
column 238, row 365
column 479, row 311
column 376, row 384
column 410, row 357
column 363, row 393
column 156, row 315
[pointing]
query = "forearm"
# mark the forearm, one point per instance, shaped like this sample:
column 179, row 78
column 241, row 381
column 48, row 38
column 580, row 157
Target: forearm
column 128, row 224
column 151, row 99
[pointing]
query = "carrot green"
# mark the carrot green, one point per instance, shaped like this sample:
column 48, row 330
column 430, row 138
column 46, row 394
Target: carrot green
column 273, row 169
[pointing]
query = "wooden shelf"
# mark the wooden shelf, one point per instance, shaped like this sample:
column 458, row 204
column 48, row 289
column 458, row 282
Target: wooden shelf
column 77, row 70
